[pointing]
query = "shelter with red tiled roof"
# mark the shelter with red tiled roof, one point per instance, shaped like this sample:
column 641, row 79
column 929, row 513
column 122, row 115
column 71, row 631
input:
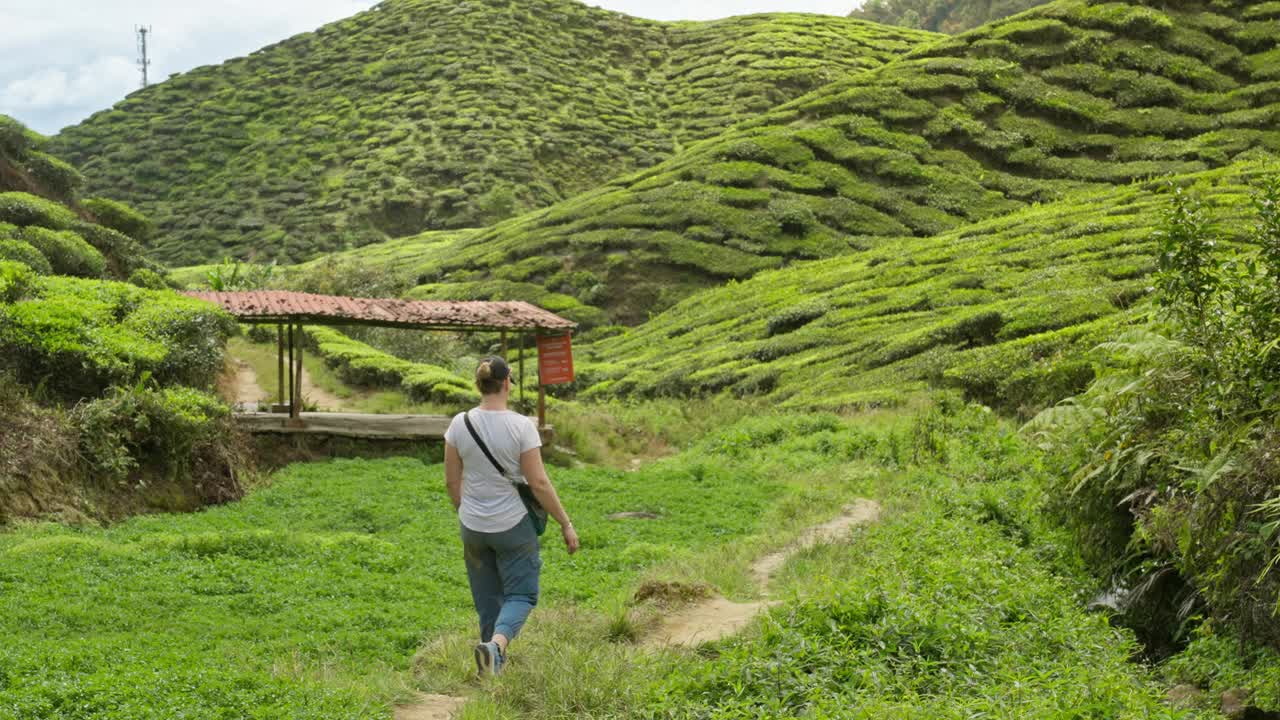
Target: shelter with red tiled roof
column 290, row 311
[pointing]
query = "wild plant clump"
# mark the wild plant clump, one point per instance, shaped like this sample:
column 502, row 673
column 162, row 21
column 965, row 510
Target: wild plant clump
column 1176, row 480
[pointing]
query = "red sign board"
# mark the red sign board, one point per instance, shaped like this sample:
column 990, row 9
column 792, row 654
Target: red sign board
column 555, row 360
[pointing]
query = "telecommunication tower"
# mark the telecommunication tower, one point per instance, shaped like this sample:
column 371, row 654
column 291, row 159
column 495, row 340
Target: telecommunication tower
column 143, row 60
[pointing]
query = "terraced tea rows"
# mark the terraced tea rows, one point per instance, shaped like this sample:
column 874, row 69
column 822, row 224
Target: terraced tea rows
column 434, row 114
column 1005, row 310
column 1071, row 95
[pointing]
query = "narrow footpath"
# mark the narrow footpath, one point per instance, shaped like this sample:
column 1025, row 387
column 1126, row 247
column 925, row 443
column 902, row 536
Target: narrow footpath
column 706, row 620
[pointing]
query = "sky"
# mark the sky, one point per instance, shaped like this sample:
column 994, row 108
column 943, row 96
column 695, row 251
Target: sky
column 63, row 60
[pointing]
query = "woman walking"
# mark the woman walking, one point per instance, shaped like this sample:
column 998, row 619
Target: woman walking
column 487, row 452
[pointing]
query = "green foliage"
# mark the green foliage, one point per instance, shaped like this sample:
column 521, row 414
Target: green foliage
column 949, row 16
column 67, row 252
column 1173, row 447
column 54, row 174
column 170, row 430
column 234, row 276
column 77, row 338
column 22, row 209
column 1024, row 111
column 120, row 217
column 24, row 252
column 147, row 278
column 17, row 280
column 362, row 365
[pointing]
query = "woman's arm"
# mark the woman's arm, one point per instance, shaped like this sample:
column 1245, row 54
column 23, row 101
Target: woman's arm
column 536, row 473
column 453, row 474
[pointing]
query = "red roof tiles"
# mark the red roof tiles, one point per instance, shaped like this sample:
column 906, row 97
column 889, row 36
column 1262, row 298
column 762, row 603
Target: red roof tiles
column 270, row 306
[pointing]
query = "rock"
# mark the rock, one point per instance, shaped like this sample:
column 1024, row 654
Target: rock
column 634, row 516
column 1235, row 703
column 1184, row 697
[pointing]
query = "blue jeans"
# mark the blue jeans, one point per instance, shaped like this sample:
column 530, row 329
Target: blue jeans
column 503, row 571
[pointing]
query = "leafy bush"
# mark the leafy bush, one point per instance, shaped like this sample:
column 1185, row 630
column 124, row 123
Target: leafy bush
column 24, row 252
column 1176, row 439
column 359, row 364
column 54, row 174
column 16, row 280
column 22, row 209
column 120, row 217
column 167, row 430
column 77, row 338
column 795, row 318
column 148, row 279
column 67, row 252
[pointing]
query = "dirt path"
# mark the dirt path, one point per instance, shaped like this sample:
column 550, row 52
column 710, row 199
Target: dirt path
column 705, row 620
column 430, row 707
column 248, row 393
column 716, row 618
column 315, row 395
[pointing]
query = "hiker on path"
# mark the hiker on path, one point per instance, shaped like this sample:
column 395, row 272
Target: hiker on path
column 488, row 453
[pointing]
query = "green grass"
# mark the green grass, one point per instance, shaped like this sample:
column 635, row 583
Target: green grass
column 309, row 598
column 423, row 115
column 336, row 589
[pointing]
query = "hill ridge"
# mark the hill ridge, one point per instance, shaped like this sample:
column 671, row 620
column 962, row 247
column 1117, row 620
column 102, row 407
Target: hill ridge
column 427, row 114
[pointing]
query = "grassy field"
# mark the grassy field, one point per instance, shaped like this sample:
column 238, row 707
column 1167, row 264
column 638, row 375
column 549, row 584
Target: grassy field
column 336, row 589
column 309, row 598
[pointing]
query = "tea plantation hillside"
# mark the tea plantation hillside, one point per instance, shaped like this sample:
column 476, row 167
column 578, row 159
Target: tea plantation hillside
column 104, row 385
column 948, row 16
column 46, row 225
column 1068, row 96
column 1005, row 310
column 434, row 114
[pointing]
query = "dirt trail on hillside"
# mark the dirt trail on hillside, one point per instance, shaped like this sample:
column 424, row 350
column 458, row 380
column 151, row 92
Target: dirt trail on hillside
column 716, row 618
column 248, row 392
column 705, row 620
column 430, row 707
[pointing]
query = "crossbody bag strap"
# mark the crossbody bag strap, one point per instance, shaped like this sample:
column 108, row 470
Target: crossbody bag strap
column 466, row 418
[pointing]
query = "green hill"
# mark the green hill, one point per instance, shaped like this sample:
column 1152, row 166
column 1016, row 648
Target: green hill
column 431, row 114
column 1066, row 97
column 1004, row 310
column 948, row 16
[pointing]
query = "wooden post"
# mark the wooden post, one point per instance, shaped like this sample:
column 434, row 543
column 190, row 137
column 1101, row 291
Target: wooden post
column 292, row 395
column 279, row 364
column 297, row 406
column 522, row 339
column 504, row 344
column 542, row 406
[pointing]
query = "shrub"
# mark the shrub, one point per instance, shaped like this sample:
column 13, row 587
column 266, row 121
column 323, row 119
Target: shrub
column 166, row 430
column 16, row 279
column 794, row 318
column 120, row 217
column 23, row 252
column 67, row 252
column 23, row 209
column 123, row 253
column 194, row 332
column 148, row 278
column 57, row 176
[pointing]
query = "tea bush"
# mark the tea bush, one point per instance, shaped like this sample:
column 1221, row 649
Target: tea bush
column 23, row 252
column 67, row 252
column 77, row 338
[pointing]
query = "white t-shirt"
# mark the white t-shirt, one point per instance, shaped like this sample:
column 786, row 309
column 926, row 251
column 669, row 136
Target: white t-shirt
column 490, row 503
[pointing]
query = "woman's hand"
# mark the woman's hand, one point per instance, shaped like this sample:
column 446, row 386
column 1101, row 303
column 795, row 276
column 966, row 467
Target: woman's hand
column 570, row 538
